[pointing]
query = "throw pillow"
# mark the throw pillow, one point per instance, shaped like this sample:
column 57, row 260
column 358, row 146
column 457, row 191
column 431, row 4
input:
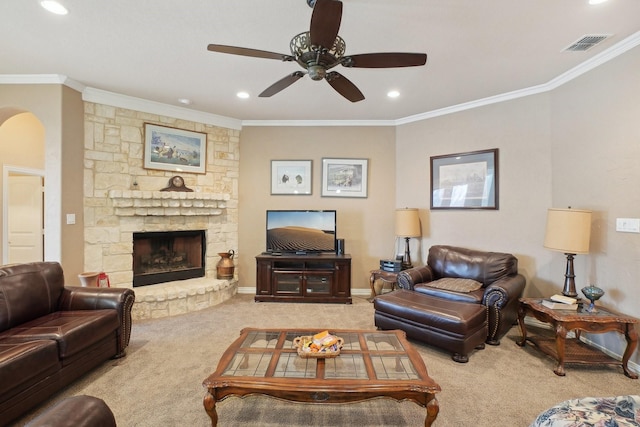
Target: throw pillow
column 456, row 285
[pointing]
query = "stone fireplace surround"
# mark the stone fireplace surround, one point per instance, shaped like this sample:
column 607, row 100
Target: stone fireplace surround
column 115, row 208
column 147, row 211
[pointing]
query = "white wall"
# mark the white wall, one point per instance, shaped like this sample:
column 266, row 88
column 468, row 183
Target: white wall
column 596, row 165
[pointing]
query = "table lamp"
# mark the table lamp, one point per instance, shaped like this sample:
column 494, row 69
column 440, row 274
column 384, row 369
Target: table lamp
column 568, row 231
column 407, row 226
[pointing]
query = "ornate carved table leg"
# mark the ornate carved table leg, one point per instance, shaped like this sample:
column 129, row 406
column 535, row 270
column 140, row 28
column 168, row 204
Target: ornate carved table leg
column 432, row 412
column 372, row 281
column 210, row 406
column 523, row 329
column 632, row 342
column 561, row 337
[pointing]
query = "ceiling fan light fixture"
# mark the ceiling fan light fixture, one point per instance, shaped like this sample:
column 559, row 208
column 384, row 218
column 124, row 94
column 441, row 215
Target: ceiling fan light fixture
column 54, row 7
column 317, row 72
column 242, row 95
column 393, row 94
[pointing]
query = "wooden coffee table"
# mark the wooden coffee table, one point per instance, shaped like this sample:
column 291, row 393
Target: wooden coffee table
column 371, row 364
column 574, row 350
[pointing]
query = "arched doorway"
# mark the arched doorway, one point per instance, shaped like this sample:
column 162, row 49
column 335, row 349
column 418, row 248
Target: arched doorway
column 22, row 160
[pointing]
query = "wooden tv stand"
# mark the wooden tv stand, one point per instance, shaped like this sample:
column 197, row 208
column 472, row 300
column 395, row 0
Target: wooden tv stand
column 303, row 278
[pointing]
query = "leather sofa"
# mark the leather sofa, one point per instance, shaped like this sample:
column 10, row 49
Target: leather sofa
column 51, row 334
column 499, row 284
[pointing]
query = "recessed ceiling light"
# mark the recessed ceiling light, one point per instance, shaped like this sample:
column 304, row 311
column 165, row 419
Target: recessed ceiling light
column 242, row 95
column 54, row 7
column 185, row 101
column 393, row 94
column 596, row 1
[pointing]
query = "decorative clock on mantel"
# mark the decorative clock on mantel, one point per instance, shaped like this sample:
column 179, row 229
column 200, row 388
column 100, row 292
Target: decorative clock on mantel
column 176, row 183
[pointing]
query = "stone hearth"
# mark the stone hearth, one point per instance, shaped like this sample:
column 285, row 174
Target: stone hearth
column 180, row 297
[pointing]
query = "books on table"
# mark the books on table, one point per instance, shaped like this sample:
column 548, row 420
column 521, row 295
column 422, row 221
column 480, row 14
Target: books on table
column 563, row 299
column 555, row 305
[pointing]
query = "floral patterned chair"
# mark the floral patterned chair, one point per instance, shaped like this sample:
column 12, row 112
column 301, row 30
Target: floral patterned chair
column 619, row 411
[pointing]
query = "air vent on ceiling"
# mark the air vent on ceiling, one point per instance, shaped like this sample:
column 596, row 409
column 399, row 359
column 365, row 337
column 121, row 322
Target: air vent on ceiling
column 586, row 42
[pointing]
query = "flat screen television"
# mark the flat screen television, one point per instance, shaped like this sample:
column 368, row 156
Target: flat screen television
column 301, row 231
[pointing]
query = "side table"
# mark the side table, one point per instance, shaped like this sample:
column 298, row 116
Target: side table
column 574, row 350
column 386, row 276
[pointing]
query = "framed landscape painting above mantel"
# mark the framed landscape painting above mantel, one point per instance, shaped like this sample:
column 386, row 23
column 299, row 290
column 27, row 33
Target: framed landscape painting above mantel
column 465, row 180
column 175, row 150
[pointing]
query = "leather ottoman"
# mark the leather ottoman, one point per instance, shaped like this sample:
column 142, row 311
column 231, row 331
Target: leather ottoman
column 458, row 327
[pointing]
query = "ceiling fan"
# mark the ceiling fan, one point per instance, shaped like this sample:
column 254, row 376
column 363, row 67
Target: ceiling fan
column 320, row 49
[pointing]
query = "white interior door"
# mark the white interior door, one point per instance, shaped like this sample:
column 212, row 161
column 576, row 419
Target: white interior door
column 25, row 237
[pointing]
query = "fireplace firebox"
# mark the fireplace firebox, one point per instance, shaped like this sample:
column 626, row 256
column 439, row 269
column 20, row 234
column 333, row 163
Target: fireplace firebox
column 165, row 256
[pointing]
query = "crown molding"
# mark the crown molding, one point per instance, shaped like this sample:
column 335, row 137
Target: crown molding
column 139, row 104
column 46, row 79
column 310, row 123
column 599, row 59
column 588, row 65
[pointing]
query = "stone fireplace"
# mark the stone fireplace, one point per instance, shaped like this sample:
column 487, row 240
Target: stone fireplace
column 123, row 199
column 165, row 256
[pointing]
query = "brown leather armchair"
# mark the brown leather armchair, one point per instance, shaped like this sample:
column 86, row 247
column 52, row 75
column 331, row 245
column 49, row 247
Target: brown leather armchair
column 500, row 284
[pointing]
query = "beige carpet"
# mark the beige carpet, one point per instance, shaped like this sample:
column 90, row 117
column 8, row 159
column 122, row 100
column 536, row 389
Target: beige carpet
column 159, row 383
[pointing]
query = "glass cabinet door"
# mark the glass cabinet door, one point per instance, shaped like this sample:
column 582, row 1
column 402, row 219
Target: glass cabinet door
column 318, row 283
column 287, row 283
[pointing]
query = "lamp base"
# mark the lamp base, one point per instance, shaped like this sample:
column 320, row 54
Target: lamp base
column 406, row 259
column 569, row 289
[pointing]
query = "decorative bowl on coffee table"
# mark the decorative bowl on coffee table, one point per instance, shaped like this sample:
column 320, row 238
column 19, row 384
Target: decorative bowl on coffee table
column 593, row 293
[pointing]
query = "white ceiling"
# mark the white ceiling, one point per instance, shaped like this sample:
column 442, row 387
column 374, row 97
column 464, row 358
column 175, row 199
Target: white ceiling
column 157, row 50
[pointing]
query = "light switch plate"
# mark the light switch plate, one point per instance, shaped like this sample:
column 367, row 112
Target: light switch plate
column 628, row 225
column 71, row 219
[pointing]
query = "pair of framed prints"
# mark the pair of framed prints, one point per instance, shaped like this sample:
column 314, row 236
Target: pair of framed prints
column 340, row 177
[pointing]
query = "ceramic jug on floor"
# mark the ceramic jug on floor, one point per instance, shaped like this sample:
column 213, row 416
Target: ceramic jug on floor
column 225, row 266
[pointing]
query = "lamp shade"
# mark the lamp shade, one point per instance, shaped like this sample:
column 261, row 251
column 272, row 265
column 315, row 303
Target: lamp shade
column 407, row 222
column 568, row 231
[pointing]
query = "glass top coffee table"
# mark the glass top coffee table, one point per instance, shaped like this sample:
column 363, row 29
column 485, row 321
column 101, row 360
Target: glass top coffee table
column 371, row 364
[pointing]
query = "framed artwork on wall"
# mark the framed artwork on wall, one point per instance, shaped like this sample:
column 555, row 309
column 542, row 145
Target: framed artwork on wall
column 344, row 177
column 465, row 180
column 291, row 177
column 175, row 150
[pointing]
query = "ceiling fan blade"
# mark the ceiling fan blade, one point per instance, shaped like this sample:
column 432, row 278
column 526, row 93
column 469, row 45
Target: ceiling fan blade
column 244, row 51
column 325, row 22
column 344, row 87
column 385, row 60
column 281, row 84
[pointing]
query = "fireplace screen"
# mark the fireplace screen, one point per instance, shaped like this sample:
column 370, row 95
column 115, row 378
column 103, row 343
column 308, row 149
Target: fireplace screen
column 160, row 257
